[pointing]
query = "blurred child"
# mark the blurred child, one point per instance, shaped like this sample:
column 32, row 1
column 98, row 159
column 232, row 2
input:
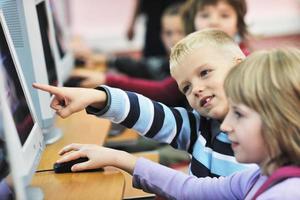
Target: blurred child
column 153, row 67
column 199, row 64
column 225, row 15
column 263, row 127
column 153, row 11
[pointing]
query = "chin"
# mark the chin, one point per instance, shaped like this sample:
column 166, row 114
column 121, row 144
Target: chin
column 241, row 159
column 217, row 115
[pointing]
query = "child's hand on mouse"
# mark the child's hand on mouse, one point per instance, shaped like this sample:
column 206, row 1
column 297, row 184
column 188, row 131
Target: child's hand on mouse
column 98, row 157
column 70, row 100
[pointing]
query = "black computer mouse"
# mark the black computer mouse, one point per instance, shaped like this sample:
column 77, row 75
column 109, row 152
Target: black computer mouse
column 65, row 167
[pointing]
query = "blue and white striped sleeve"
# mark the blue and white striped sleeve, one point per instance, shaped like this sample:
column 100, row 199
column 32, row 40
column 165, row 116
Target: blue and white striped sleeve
column 151, row 119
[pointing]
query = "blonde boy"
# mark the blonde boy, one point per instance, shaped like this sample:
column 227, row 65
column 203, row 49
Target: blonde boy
column 199, row 64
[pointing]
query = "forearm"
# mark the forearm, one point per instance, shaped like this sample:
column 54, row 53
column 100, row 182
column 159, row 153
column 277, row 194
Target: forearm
column 150, row 119
column 125, row 161
column 171, row 184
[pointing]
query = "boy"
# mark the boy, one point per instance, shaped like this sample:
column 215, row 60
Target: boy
column 199, row 63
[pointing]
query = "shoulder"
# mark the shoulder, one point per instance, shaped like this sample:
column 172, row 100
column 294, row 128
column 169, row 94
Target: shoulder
column 287, row 189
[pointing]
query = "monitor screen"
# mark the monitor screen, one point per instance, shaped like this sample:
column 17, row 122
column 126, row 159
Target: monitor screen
column 15, row 95
column 45, row 35
column 59, row 38
column 58, row 14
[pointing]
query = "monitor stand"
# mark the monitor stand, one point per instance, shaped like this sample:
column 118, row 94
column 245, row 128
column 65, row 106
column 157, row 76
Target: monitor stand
column 52, row 134
column 34, row 193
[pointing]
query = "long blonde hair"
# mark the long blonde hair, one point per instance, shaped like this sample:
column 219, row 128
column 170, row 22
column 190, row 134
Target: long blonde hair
column 269, row 83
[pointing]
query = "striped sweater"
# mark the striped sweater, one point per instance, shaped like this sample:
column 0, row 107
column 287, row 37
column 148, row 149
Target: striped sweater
column 186, row 130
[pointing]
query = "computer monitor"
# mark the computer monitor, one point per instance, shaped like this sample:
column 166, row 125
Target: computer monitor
column 63, row 37
column 48, row 40
column 23, row 136
column 33, row 52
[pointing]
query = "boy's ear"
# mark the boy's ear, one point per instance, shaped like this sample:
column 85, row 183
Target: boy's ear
column 238, row 60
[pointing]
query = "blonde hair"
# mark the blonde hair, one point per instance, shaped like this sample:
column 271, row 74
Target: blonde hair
column 269, row 83
column 200, row 39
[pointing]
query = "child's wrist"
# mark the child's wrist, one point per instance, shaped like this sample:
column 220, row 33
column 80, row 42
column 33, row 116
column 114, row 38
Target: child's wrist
column 125, row 161
column 98, row 99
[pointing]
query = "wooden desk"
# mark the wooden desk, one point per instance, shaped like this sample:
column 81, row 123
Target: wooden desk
column 128, row 135
column 108, row 185
column 79, row 128
column 130, row 192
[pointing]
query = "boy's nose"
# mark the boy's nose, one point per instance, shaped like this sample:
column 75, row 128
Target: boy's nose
column 197, row 91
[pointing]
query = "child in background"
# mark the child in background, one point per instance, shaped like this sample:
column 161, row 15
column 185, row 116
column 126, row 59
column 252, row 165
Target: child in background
column 153, row 11
column 199, row 64
column 155, row 68
column 260, row 132
column 225, row 15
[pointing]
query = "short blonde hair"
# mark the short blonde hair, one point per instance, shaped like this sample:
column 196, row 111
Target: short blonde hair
column 200, row 39
column 269, row 83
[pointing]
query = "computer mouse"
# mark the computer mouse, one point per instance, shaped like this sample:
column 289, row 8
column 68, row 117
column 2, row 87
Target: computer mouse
column 65, row 167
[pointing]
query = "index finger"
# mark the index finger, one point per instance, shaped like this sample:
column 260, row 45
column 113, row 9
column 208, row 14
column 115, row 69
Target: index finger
column 47, row 88
column 71, row 156
column 70, row 147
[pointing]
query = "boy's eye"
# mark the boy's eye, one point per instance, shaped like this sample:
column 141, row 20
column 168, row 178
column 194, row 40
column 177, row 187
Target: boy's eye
column 185, row 89
column 204, row 73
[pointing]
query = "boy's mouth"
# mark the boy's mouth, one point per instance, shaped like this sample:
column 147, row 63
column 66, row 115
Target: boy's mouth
column 205, row 100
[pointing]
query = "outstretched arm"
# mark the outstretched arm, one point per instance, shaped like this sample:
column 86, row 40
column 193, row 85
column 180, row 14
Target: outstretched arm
column 70, row 100
column 98, row 157
column 158, row 179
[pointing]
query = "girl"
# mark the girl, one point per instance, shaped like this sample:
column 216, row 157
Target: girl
column 263, row 124
column 225, row 15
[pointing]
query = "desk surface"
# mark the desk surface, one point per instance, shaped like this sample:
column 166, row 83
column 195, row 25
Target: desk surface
column 108, row 185
column 79, row 128
column 129, row 191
